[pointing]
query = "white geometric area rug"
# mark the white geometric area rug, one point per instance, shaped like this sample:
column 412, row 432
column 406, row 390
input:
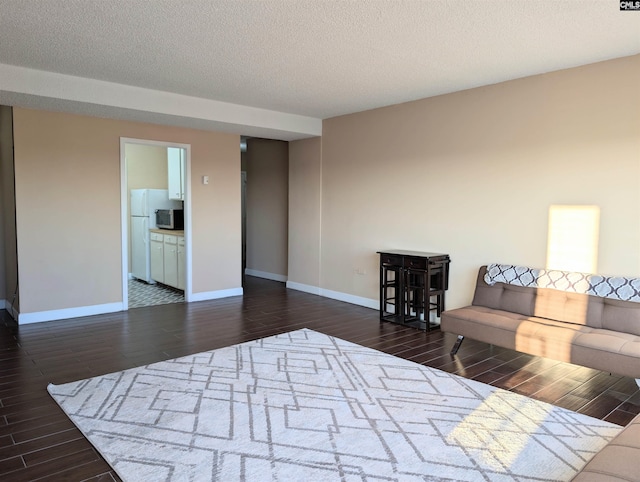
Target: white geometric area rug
column 304, row 406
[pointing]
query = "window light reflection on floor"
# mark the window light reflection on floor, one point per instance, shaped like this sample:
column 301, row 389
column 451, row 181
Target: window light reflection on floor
column 498, row 431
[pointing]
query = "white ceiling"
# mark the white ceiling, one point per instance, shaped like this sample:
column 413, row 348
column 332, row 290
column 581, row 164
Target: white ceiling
column 276, row 67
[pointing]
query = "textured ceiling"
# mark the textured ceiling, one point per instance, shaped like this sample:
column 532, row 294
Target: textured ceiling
column 315, row 58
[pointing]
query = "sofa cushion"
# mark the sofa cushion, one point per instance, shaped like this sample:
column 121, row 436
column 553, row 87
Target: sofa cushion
column 515, row 299
column 569, row 307
column 621, row 316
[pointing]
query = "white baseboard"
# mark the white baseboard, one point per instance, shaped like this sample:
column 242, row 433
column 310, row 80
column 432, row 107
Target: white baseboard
column 12, row 311
column 335, row 295
column 214, row 295
column 39, row 316
column 354, row 300
column 314, row 290
column 265, row 275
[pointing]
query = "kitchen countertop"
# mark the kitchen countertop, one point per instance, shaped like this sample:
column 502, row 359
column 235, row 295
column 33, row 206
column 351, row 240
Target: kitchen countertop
column 175, row 232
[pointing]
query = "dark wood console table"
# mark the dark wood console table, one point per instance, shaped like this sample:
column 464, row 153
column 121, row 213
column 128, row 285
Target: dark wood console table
column 412, row 285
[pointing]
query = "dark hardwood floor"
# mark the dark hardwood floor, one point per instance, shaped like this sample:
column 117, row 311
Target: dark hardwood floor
column 38, row 442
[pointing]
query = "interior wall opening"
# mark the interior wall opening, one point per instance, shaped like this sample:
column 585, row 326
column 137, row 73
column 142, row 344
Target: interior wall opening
column 156, row 223
column 265, row 196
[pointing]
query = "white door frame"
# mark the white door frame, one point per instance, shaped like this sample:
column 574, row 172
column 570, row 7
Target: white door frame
column 124, row 201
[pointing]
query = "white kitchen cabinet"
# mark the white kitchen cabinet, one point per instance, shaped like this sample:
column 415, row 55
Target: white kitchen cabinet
column 171, row 260
column 182, row 277
column 168, row 259
column 157, row 257
column 176, row 172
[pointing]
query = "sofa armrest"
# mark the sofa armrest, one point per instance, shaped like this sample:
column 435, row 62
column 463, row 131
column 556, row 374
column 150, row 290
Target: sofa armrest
column 619, row 460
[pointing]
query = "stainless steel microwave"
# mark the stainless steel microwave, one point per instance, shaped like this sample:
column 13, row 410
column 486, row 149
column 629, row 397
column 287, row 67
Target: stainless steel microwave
column 170, row 218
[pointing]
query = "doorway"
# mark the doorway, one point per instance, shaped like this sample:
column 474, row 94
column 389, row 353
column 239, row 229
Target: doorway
column 156, row 260
column 265, row 196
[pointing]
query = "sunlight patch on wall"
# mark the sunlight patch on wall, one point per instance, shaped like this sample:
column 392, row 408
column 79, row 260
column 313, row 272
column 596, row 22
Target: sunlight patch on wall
column 572, row 243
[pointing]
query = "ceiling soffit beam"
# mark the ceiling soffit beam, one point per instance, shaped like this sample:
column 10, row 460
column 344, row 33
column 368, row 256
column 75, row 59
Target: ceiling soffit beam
column 22, row 83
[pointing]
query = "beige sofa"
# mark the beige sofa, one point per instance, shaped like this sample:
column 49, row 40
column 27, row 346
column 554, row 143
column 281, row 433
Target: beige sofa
column 587, row 330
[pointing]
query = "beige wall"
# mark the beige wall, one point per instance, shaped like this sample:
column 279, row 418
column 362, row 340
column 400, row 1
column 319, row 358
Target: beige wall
column 8, row 261
column 146, row 166
column 473, row 174
column 68, row 207
column 267, row 167
column 5, row 157
column 305, row 170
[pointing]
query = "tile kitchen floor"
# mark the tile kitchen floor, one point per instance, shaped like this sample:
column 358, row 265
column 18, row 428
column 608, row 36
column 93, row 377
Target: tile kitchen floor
column 143, row 294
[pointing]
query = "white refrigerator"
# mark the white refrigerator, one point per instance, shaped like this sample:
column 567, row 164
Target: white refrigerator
column 143, row 204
